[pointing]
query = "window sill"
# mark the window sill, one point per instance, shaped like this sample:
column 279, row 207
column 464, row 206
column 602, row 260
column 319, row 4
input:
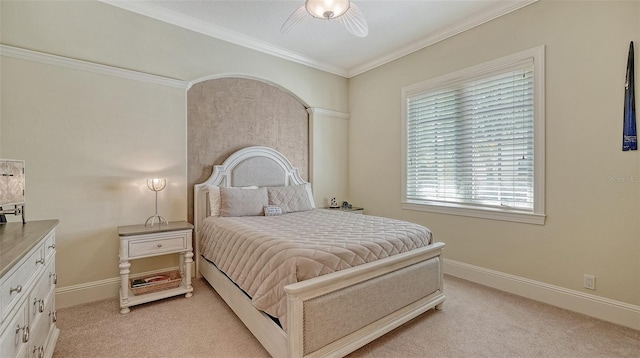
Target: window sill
column 484, row 213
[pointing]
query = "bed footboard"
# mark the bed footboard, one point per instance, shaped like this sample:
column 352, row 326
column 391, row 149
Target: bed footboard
column 336, row 314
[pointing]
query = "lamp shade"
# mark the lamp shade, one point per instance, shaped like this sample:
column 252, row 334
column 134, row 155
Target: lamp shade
column 156, row 184
column 327, row 9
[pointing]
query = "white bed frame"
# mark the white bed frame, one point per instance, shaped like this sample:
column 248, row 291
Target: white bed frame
column 263, row 166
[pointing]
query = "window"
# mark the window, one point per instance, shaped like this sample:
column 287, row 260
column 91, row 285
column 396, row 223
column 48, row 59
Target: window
column 473, row 141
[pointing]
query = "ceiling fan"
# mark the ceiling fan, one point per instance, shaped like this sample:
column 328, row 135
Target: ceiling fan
column 344, row 11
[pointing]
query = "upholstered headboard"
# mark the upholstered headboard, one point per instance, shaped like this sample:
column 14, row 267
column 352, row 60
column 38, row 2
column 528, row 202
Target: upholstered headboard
column 231, row 113
column 251, row 166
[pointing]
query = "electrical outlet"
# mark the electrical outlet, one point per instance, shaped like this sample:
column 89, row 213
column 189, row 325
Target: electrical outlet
column 590, row 282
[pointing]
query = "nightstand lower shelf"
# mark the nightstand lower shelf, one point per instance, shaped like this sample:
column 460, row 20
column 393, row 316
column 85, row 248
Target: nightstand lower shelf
column 133, row 300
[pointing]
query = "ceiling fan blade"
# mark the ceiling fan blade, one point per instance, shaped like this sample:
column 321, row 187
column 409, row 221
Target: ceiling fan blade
column 294, row 19
column 353, row 20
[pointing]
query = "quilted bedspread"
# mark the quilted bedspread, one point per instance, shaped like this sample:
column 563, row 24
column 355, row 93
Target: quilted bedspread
column 262, row 254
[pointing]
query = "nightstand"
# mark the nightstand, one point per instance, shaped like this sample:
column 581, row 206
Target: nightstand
column 139, row 241
column 353, row 209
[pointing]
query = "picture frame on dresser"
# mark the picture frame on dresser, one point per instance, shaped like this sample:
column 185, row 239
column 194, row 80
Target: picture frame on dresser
column 12, row 183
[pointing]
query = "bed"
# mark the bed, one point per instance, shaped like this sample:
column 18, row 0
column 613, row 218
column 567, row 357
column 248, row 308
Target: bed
column 342, row 296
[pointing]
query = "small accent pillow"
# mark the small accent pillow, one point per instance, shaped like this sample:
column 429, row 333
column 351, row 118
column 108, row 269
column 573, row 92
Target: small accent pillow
column 243, row 202
column 291, row 198
column 272, row 210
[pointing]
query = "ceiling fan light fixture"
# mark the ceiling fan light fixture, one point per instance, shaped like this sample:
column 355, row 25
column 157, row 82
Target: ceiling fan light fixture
column 346, row 12
column 327, row 9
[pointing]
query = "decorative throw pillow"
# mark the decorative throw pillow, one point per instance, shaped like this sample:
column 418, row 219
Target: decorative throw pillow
column 272, row 210
column 243, row 202
column 214, row 200
column 291, row 198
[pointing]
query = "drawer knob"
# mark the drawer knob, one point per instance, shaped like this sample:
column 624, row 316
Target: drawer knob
column 55, row 277
column 16, row 290
column 159, row 245
column 25, row 332
column 39, row 350
column 54, row 316
column 52, row 246
column 40, row 261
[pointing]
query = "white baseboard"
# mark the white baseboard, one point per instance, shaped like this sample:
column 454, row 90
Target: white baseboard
column 599, row 307
column 95, row 291
column 621, row 313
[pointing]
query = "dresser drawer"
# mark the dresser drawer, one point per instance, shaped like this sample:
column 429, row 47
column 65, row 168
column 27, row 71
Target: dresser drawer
column 50, row 244
column 20, row 279
column 40, row 332
column 158, row 245
column 42, row 292
column 17, row 331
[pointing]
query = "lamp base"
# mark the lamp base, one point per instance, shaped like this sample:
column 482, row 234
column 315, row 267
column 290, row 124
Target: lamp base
column 16, row 211
column 152, row 219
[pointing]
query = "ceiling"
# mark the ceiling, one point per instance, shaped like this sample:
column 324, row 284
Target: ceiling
column 396, row 27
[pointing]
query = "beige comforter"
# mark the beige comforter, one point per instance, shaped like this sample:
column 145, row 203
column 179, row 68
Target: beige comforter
column 262, row 254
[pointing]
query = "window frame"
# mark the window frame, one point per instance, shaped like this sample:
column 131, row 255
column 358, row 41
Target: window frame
column 504, row 64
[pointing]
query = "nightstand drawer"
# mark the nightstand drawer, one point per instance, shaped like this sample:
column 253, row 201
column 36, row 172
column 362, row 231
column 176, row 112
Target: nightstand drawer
column 156, row 246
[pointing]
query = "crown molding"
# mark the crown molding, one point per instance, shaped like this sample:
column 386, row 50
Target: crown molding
column 164, row 15
column 474, row 21
column 316, row 111
column 155, row 12
column 49, row 59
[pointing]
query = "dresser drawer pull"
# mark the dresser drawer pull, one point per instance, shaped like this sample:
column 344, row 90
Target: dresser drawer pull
column 159, row 245
column 41, row 261
column 25, row 332
column 54, row 316
column 52, row 246
column 16, row 290
column 40, row 304
column 40, row 351
column 55, row 277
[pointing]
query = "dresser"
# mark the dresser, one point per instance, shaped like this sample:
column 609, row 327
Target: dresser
column 27, row 289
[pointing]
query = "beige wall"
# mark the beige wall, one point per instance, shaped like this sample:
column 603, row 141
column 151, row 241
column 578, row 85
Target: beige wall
column 89, row 143
column 592, row 187
column 91, row 140
column 329, row 155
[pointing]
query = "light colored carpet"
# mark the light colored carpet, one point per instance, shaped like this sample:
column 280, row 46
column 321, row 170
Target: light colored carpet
column 476, row 321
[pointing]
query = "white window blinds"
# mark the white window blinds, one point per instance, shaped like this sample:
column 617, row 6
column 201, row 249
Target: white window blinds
column 471, row 142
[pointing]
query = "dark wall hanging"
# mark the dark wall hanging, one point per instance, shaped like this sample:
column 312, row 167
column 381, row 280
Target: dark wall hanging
column 629, row 134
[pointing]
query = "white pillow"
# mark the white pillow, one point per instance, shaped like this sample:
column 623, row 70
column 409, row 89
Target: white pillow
column 214, row 200
column 243, row 202
column 291, row 198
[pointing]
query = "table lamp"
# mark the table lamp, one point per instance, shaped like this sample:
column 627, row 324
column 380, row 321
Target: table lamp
column 156, row 185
